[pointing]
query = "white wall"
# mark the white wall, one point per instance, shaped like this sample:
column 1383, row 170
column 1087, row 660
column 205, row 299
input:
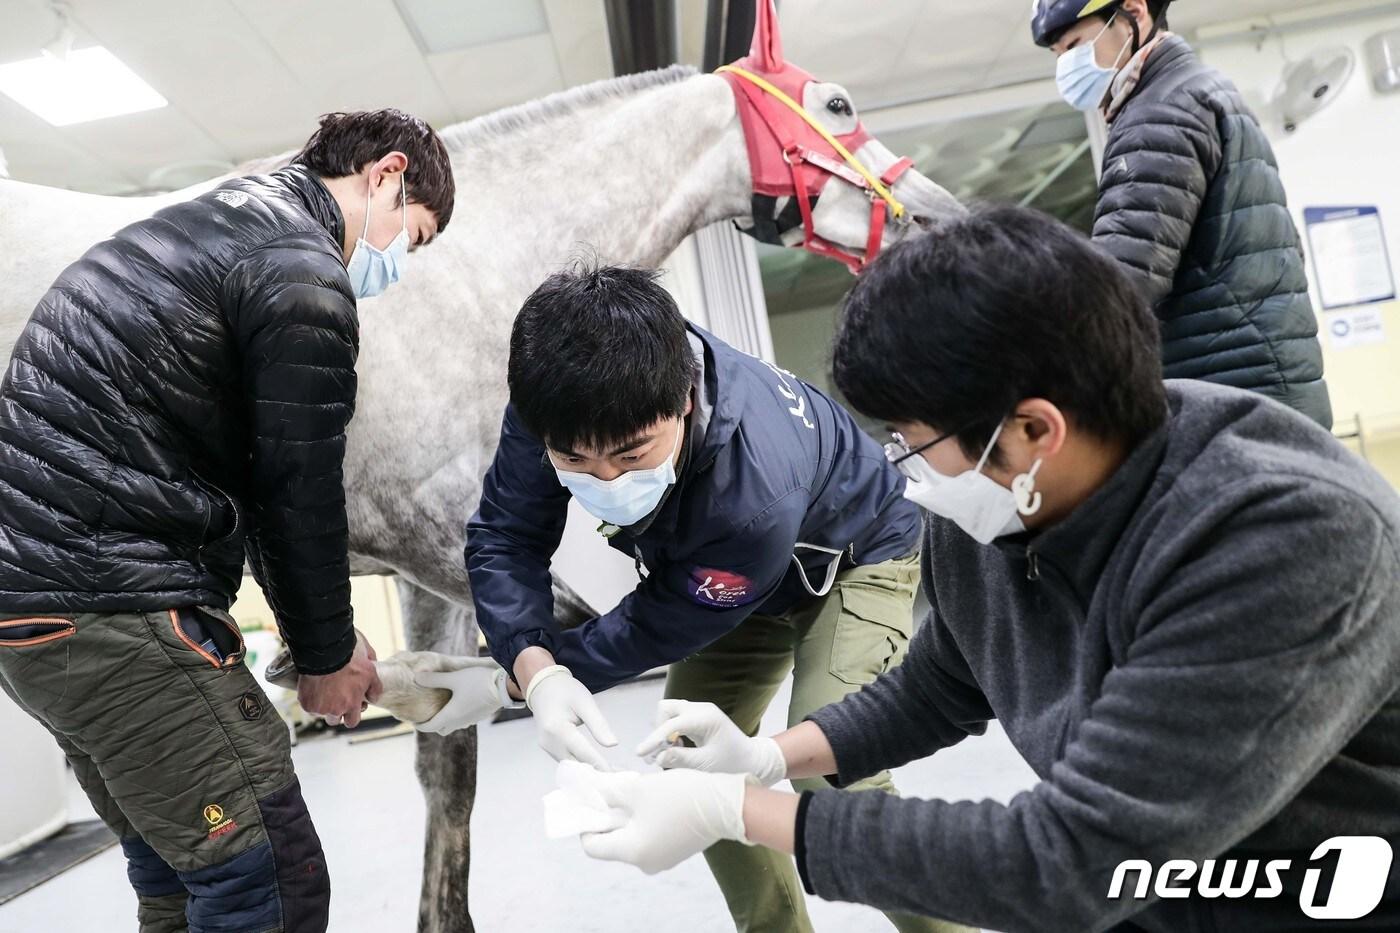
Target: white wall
column 32, row 783
column 1347, row 155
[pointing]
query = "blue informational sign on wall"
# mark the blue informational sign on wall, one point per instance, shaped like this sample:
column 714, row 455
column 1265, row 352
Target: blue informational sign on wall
column 1349, row 254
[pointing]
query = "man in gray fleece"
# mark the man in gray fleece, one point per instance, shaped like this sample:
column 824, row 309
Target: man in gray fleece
column 1182, row 602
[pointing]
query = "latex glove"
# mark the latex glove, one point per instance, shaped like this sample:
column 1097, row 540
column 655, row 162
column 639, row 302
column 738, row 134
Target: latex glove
column 720, row 746
column 562, row 708
column 478, row 691
column 662, row 818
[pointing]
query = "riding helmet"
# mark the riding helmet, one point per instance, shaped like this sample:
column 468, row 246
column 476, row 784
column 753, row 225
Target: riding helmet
column 1049, row 18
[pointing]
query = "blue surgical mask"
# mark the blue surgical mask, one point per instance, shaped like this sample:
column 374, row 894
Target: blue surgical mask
column 629, row 498
column 372, row 270
column 1083, row 82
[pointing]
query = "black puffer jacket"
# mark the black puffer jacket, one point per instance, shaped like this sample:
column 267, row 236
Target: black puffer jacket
column 1191, row 201
column 182, row 390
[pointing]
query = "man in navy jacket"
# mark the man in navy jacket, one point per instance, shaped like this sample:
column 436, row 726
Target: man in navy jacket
column 770, row 534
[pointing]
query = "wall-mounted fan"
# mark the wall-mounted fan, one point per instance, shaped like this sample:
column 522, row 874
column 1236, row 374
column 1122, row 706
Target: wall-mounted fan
column 1310, row 84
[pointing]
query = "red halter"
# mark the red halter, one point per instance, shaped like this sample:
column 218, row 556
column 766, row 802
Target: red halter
column 788, row 156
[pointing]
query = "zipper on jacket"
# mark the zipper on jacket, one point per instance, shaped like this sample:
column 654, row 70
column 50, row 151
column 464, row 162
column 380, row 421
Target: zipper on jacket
column 237, row 518
column 1052, row 580
column 637, row 550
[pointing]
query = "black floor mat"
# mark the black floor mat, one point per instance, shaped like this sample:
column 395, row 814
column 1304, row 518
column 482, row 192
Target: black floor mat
column 72, row 845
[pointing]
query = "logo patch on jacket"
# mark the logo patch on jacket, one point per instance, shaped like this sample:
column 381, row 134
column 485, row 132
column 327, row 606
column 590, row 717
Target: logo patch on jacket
column 232, row 198
column 720, row 588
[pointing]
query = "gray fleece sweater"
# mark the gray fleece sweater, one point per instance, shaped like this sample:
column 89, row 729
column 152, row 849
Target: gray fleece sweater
column 1203, row 660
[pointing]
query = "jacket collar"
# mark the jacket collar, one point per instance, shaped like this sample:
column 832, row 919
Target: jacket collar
column 1161, row 58
column 314, row 196
column 1125, row 83
column 1079, row 547
column 724, row 386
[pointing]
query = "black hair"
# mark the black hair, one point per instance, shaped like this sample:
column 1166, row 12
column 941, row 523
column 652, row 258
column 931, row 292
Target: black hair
column 955, row 328
column 597, row 355
column 346, row 142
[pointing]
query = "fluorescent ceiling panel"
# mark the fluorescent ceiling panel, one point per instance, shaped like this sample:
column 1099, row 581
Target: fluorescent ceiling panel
column 450, row 25
column 86, row 84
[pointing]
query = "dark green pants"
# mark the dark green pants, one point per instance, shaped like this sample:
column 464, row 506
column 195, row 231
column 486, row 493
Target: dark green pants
column 833, row 645
column 183, row 757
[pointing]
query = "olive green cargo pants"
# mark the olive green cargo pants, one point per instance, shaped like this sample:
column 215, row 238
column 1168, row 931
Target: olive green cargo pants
column 833, row 645
column 183, row 757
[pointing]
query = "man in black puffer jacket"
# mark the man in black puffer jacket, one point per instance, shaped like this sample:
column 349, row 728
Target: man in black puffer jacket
column 1190, row 201
column 181, row 393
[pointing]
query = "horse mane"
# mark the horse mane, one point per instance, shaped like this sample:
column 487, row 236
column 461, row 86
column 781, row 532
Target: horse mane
column 460, row 137
column 263, row 164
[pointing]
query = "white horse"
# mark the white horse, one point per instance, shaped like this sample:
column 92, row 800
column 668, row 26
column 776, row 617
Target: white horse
column 628, row 168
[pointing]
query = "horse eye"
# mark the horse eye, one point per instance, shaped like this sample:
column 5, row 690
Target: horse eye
column 840, row 106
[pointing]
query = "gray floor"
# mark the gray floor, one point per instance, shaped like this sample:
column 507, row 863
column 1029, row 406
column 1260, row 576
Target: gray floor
column 370, row 817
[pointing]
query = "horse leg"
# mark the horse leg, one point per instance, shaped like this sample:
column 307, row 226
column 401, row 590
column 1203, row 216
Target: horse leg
column 570, row 610
column 446, row 767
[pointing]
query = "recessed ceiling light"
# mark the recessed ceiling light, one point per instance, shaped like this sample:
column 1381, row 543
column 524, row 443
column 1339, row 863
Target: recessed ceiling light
column 462, row 24
column 86, row 84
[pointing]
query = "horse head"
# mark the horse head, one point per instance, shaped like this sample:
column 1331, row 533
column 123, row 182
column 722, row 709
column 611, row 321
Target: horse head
column 820, row 180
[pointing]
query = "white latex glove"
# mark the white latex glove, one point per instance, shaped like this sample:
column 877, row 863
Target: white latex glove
column 720, row 746
column 562, row 707
column 478, row 688
column 662, row 818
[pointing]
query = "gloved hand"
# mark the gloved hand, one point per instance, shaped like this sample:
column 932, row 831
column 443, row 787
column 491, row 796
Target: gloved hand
column 562, row 706
column 720, row 746
column 478, row 691
column 662, row 818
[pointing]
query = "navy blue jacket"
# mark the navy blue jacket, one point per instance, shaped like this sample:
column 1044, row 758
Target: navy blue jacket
column 779, row 463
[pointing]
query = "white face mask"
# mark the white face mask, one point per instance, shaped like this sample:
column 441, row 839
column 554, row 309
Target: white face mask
column 972, row 500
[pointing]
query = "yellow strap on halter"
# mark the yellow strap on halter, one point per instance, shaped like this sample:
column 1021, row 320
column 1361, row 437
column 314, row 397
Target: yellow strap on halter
column 831, row 140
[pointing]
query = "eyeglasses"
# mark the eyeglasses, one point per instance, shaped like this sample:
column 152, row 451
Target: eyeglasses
column 899, row 453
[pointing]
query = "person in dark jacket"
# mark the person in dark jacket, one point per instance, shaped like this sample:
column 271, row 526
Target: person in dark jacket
column 1190, row 201
column 178, row 401
column 770, row 536
column 1180, row 600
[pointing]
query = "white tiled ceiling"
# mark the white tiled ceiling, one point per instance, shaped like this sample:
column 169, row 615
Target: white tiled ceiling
column 249, row 77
